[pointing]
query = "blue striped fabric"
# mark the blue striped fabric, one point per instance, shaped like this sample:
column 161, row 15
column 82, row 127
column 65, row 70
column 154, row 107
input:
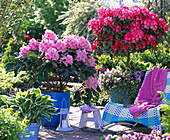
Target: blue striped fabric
column 114, row 112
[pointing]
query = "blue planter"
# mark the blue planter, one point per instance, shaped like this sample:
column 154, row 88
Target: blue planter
column 116, row 97
column 34, row 127
column 59, row 97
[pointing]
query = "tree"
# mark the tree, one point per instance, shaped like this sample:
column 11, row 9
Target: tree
column 11, row 13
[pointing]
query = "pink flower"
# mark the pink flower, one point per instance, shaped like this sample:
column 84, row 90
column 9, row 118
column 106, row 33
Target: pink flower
column 24, row 50
column 44, row 45
column 83, row 43
column 81, row 55
column 67, row 60
column 50, row 35
column 34, row 44
column 166, row 27
column 102, row 11
column 91, row 83
column 90, row 62
column 108, row 21
column 52, row 54
column 61, row 46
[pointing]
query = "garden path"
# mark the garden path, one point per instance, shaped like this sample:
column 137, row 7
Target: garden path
column 88, row 133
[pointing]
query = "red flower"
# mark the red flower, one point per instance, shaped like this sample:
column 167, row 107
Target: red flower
column 105, row 36
column 96, row 41
column 126, row 27
column 26, row 36
column 93, row 46
column 110, row 37
column 0, row 61
column 14, row 38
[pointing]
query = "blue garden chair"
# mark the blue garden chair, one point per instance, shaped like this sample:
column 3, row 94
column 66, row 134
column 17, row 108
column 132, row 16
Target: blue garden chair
column 114, row 113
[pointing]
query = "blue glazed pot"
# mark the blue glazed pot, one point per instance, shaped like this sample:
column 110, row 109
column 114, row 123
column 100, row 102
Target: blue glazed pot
column 59, row 96
column 123, row 99
column 34, row 127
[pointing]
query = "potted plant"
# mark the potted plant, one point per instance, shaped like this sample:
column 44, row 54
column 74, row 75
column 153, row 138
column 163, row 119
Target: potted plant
column 122, row 87
column 121, row 31
column 33, row 105
column 52, row 63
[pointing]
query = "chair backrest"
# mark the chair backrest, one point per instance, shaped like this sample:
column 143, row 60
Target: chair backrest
column 167, row 87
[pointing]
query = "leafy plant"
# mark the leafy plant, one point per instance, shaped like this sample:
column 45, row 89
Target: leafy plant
column 31, row 104
column 9, row 80
column 166, row 113
column 11, row 125
column 159, row 58
column 81, row 95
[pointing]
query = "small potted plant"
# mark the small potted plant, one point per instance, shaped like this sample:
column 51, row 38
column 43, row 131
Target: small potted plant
column 33, row 105
column 122, row 87
column 52, row 63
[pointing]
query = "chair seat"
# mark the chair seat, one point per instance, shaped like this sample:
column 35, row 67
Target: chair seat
column 114, row 113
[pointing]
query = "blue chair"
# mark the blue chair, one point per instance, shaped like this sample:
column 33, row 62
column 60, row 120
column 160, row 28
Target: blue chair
column 114, row 113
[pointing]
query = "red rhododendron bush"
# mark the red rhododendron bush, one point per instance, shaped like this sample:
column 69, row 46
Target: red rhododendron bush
column 122, row 31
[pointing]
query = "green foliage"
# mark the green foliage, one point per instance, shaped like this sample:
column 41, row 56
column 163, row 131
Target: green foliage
column 9, row 80
column 81, row 95
column 31, row 104
column 49, row 12
column 32, row 26
column 159, row 58
column 167, row 38
column 12, row 13
column 76, row 19
column 166, row 113
column 11, row 125
column 12, row 50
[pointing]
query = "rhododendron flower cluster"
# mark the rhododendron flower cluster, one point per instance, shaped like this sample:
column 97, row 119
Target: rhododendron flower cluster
column 123, row 30
column 70, row 54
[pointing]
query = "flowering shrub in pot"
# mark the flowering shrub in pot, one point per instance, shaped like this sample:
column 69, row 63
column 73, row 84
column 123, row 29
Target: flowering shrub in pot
column 56, row 62
column 121, row 31
column 122, row 86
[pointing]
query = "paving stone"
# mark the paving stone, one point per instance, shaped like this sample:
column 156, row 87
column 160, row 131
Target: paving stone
column 89, row 132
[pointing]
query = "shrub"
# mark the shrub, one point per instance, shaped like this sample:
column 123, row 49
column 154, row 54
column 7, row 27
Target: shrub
column 11, row 125
column 9, row 80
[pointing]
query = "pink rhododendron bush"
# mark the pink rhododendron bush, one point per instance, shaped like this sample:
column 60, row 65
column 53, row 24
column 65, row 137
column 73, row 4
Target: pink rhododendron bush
column 55, row 62
column 121, row 31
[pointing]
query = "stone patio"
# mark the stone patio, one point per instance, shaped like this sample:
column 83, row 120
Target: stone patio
column 89, row 132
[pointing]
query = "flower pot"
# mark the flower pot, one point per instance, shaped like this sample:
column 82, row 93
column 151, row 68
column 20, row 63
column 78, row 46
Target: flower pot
column 58, row 96
column 116, row 97
column 34, row 127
